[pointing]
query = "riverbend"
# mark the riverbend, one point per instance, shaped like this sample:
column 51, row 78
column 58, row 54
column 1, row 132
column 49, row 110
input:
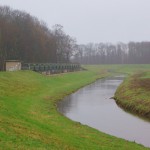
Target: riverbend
column 92, row 106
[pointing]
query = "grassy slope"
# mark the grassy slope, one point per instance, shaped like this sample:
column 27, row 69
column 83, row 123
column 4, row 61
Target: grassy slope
column 29, row 119
column 134, row 94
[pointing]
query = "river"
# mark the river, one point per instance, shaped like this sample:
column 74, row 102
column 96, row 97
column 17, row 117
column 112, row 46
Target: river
column 92, row 106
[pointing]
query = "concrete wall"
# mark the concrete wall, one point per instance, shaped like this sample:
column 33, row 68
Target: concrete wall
column 13, row 66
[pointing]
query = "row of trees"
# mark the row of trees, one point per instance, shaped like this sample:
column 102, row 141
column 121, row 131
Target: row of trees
column 24, row 37
column 107, row 53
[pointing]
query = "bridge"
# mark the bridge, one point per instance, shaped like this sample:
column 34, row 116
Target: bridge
column 51, row 68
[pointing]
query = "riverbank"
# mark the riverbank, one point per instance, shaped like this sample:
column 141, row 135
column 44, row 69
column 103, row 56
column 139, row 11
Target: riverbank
column 134, row 94
column 29, row 117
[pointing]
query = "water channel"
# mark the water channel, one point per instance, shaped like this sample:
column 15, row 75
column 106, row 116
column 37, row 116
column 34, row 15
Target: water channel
column 92, row 106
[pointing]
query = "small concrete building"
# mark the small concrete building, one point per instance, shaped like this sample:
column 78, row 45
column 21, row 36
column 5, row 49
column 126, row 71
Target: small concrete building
column 12, row 65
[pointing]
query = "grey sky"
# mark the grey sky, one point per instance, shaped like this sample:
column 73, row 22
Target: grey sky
column 93, row 20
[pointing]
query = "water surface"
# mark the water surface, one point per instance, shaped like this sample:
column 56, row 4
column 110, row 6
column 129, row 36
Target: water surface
column 92, row 106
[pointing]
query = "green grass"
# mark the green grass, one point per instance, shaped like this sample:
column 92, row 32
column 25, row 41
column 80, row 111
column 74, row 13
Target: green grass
column 29, row 117
column 134, row 94
column 128, row 69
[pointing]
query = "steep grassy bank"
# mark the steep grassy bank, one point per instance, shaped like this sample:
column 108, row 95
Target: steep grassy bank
column 29, row 119
column 134, row 94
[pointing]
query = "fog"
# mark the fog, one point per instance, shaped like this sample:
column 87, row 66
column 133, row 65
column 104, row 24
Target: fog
column 93, row 20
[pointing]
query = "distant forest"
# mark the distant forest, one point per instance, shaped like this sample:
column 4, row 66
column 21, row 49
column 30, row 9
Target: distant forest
column 107, row 53
column 23, row 37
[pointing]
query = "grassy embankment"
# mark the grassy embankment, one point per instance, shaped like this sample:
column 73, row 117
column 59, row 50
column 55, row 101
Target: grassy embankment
column 29, row 118
column 134, row 94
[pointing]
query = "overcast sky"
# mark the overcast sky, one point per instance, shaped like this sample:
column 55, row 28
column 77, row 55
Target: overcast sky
column 93, row 20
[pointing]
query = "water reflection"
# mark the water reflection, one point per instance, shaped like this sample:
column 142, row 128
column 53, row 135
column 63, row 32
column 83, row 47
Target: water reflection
column 92, row 106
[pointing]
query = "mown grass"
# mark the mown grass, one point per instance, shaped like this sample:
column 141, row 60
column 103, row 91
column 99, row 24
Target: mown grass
column 29, row 117
column 134, row 94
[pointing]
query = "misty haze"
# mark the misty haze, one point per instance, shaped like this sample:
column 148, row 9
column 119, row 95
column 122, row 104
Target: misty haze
column 75, row 74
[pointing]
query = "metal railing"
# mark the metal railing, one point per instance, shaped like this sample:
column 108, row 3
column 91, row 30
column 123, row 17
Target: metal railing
column 51, row 68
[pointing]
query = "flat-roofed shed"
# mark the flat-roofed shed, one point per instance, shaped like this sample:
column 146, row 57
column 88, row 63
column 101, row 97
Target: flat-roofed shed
column 12, row 65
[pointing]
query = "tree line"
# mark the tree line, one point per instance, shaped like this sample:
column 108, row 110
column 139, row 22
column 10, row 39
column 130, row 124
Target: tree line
column 23, row 37
column 107, row 53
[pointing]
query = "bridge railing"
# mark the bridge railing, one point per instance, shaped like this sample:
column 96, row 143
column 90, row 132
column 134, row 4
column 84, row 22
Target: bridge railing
column 51, row 68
